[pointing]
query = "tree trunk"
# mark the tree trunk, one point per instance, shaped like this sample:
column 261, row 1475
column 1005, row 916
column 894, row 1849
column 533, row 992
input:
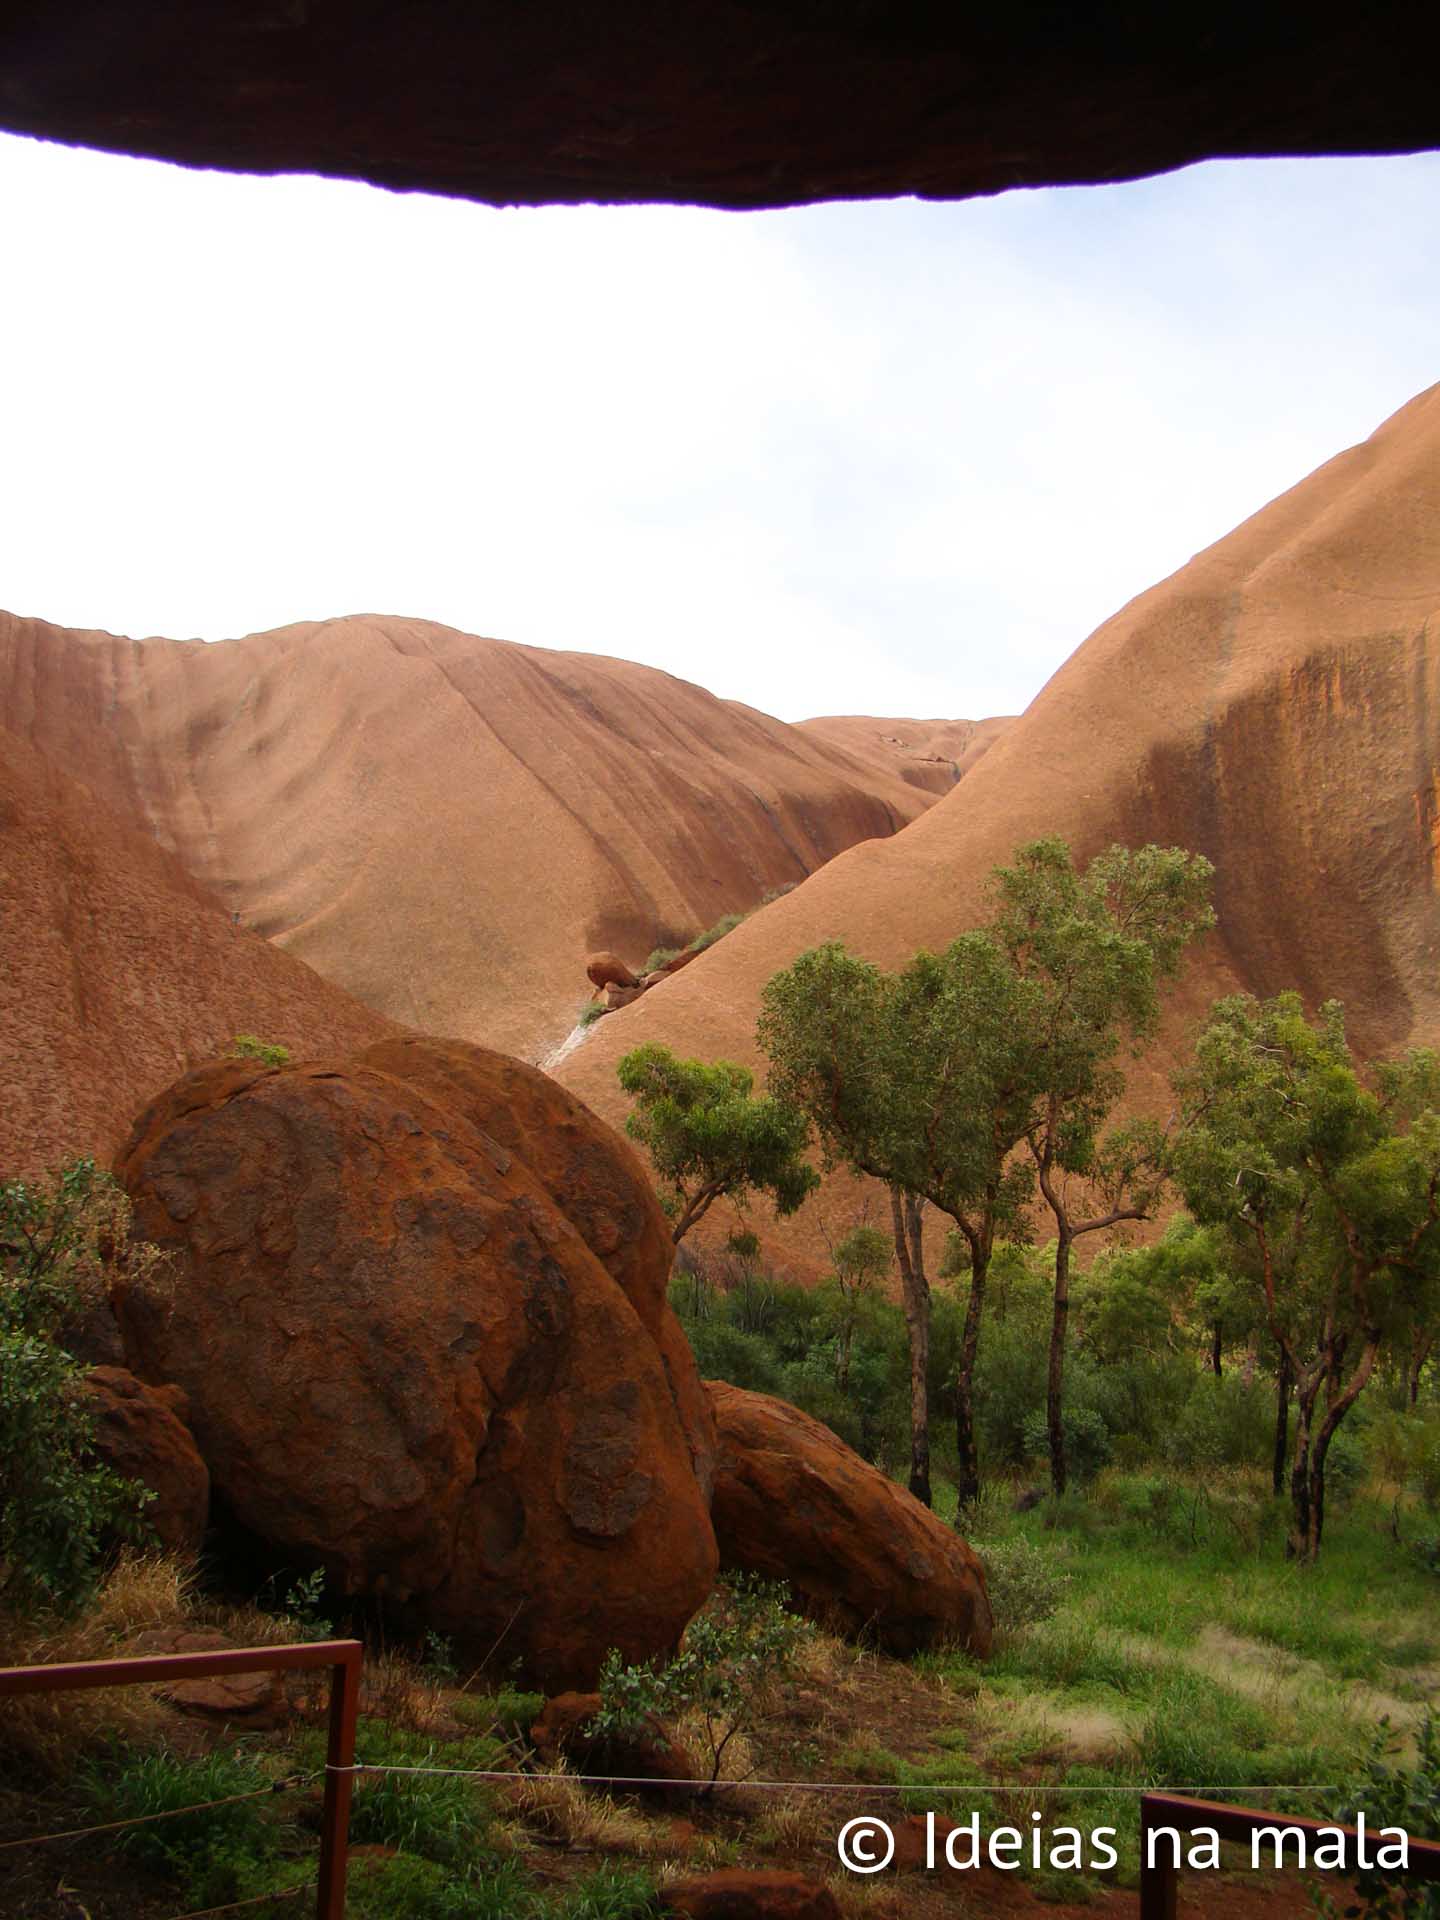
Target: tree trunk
column 1055, row 1377
column 915, row 1297
column 967, row 1458
column 1215, row 1351
column 1284, row 1381
column 1301, row 1483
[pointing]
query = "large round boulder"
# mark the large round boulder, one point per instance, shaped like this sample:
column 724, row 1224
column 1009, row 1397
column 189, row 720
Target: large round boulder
column 590, row 1172
column 793, row 1502
column 407, row 1362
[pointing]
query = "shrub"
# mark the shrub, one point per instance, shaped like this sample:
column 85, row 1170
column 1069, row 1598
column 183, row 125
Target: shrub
column 1223, row 1423
column 735, row 1653
column 592, row 1011
column 246, row 1046
column 1393, row 1796
column 1087, row 1440
column 726, row 924
column 659, row 957
column 58, row 1507
column 1023, row 1581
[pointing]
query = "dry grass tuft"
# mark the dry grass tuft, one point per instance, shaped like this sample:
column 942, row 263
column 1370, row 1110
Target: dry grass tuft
column 825, row 1660
column 798, row 1823
column 557, row 1804
column 395, row 1688
column 694, row 1734
column 860, row 1899
column 47, row 1733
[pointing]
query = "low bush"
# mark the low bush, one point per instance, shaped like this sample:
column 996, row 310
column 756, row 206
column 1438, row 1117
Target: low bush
column 246, row 1046
column 1025, row 1582
column 736, row 1653
column 59, row 1508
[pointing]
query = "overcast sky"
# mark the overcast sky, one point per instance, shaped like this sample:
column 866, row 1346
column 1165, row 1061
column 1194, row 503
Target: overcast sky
column 889, row 458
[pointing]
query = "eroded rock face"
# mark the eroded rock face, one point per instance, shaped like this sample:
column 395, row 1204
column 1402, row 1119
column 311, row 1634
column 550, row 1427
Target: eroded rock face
column 793, row 1502
column 140, row 1431
column 408, row 1363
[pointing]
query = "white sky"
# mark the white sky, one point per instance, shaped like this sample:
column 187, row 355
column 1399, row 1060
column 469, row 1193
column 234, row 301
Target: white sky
column 891, row 458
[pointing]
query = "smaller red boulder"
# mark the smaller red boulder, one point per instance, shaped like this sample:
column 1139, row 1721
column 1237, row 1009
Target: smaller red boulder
column 141, row 1433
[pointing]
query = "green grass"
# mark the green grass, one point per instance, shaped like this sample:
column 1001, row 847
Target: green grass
column 1181, row 1638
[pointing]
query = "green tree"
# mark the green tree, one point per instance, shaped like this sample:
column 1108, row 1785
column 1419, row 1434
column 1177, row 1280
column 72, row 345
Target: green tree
column 917, row 1079
column 858, row 1264
column 1329, row 1193
column 1093, row 947
column 710, row 1137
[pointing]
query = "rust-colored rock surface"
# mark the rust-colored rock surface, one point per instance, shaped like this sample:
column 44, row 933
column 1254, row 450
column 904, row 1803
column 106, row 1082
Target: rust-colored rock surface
column 934, row 755
column 140, row 1431
column 609, row 970
column 739, row 1893
column 794, row 1503
column 118, row 970
column 1272, row 705
column 254, row 1702
column 405, row 1362
column 716, row 101
column 443, row 825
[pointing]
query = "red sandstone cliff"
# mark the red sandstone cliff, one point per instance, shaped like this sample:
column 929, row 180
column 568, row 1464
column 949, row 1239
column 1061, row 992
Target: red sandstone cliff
column 445, row 825
column 1274, row 705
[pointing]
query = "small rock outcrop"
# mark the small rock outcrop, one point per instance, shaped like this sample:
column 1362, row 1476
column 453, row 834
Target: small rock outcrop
column 141, row 1433
column 609, row 970
column 793, row 1502
column 252, row 1701
column 416, row 1313
column 561, row 1733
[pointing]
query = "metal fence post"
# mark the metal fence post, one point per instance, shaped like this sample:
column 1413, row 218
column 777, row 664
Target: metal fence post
column 339, row 1783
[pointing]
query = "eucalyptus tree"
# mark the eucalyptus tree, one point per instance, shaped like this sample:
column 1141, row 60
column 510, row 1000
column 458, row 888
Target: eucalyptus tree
column 1330, row 1192
column 1092, row 948
column 918, row 1079
column 710, row 1137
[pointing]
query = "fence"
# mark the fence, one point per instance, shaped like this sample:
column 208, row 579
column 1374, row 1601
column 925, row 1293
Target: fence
column 342, row 1657
column 1159, row 1884
column 1159, row 1881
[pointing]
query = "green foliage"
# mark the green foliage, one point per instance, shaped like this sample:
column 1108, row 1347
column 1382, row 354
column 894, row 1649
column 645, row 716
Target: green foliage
column 735, row 1652
column 1025, row 1582
column 1087, row 1440
column 58, row 1506
column 727, row 923
column 510, row 1713
column 1221, row 1423
column 409, row 1887
column 709, row 1136
column 1393, row 1795
column 592, row 1011
column 659, row 957
column 1326, row 1195
column 245, row 1046
column 438, row 1816
column 133, row 1786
